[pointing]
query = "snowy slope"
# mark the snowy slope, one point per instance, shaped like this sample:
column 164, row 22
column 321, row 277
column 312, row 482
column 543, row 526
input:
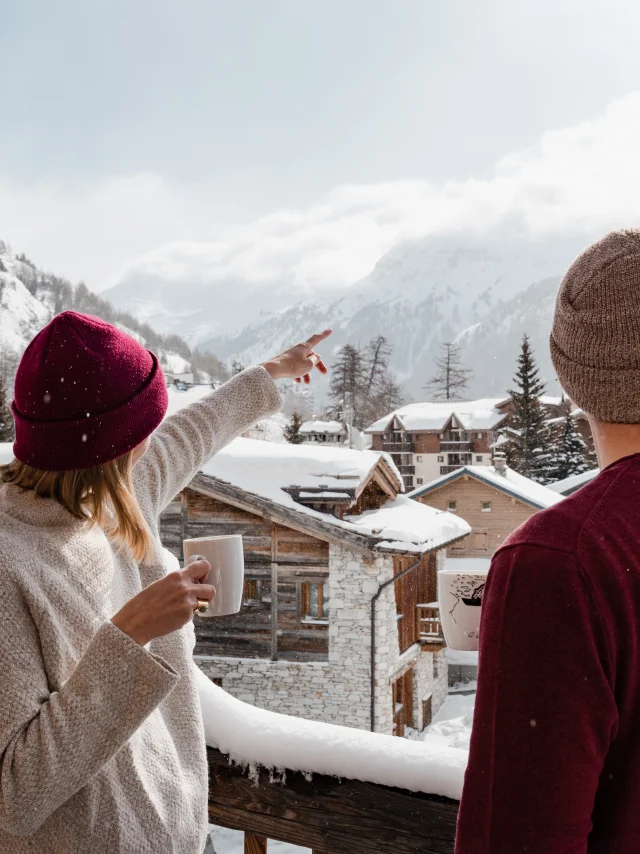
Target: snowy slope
column 21, row 315
column 419, row 294
column 26, row 306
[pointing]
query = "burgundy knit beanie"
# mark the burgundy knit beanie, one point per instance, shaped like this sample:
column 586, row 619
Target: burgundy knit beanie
column 595, row 339
column 85, row 393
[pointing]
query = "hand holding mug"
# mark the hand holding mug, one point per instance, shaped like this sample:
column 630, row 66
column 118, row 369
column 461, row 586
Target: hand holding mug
column 165, row 605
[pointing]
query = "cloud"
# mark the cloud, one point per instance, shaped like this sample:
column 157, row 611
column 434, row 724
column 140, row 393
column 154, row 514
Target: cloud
column 584, row 178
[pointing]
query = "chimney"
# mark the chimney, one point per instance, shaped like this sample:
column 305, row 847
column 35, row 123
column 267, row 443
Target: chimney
column 500, row 463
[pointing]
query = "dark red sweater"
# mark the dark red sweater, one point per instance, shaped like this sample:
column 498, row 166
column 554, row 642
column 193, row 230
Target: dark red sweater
column 555, row 750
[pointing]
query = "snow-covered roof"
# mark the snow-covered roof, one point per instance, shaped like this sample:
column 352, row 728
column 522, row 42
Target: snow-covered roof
column 480, row 414
column 333, row 427
column 257, row 737
column 571, row 484
column 179, row 399
column 511, row 482
column 550, row 400
column 266, row 470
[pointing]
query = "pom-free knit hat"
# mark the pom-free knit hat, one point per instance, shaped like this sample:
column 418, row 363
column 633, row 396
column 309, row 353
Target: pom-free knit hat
column 85, row 393
column 595, row 339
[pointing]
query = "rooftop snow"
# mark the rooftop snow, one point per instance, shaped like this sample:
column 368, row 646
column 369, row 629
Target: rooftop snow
column 333, row 427
column 512, row 482
column 179, row 399
column 573, row 482
column 266, row 469
column 480, row 414
column 257, row 737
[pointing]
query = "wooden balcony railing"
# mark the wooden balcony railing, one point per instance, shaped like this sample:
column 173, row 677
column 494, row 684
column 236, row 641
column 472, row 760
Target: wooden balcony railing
column 430, row 624
column 397, row 447
column 456, row 447
column 327, row 814
column 449, row 469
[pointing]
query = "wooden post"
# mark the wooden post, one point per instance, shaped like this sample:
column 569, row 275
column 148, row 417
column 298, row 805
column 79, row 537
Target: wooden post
column 255, row 844
column 274, row 595
column 184, row 518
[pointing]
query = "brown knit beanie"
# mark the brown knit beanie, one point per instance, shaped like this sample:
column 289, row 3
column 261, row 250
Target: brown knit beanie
column 595, row 339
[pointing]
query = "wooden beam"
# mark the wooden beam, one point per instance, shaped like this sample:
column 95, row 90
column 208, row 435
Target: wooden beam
column 274, row 596
column 297, row 520
column 328, row 814
column 255, row 844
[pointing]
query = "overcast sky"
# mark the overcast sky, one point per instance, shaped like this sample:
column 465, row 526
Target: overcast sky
column 128, row 125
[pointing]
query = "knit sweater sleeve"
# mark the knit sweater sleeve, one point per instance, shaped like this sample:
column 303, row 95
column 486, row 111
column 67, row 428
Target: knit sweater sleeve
column 52, row 742
column 185, row 441
column 545, row 710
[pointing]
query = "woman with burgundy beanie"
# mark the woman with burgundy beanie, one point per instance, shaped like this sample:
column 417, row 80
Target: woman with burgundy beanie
column 102, row 745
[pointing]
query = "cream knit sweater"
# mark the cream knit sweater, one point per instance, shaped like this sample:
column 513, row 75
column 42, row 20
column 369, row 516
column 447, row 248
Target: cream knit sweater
column 102, row 746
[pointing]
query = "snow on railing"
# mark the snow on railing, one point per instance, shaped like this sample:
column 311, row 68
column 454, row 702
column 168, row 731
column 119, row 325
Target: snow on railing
column 259, row 738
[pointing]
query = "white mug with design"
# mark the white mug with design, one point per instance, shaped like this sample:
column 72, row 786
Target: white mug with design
column 460, row 602
column 226, row 556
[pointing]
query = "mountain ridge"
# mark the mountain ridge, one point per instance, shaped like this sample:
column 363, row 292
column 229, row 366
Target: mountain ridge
column 419, row 294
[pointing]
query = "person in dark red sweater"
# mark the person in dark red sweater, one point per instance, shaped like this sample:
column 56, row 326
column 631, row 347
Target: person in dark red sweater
column 554, row 764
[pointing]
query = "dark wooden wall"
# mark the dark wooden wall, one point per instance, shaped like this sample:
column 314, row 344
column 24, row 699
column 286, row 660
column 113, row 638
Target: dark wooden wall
column 300, row 558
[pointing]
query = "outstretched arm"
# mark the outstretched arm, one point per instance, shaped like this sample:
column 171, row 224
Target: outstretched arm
column 545, row 711
column 185, row 441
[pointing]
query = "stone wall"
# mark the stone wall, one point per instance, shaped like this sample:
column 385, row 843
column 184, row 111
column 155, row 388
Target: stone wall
column 338, row 690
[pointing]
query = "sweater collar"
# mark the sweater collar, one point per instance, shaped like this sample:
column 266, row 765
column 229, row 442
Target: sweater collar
column 29, row 508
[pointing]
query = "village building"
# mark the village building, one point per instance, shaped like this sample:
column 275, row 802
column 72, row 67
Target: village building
column 429, row 440
column 340, row 620
column 572, row 484
column 325, row 432
column 494, row 500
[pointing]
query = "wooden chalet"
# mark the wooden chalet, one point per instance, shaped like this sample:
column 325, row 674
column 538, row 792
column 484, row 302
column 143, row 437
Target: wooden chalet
column 324, row 530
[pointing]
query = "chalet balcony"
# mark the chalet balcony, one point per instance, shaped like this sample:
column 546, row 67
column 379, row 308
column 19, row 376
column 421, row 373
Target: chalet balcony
column 326, row 787
column 398, row 447
column 456, row 447
column 430, row 624
column 449, row 469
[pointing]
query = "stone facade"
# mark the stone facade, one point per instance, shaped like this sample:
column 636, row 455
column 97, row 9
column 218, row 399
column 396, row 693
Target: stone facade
column 338, row 690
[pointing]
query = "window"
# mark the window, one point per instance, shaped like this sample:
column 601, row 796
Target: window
column 418, row 459
column 479, row 435
column 250, row 591
column 402, row 699
column 441, row 436
column 452, row 506
column 478, row 459
column 314, row 601
column 427, row 712
column 479, row 540
column 440, row 459
column 486, row 507
column 419, row 481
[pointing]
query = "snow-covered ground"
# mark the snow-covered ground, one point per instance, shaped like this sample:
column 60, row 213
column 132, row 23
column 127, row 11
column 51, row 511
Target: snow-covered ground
column 451, row 728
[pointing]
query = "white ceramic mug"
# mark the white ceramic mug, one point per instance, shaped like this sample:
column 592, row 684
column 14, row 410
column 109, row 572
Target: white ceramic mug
column 226, row 556
column 460, row 602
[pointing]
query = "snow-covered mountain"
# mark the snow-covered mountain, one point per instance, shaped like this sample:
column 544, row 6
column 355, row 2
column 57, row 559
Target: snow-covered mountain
column 483, row 291
column 29, row 299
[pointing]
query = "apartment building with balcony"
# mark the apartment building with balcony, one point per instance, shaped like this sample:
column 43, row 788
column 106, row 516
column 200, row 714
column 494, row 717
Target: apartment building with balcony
column 433, row 439
column 428, row 440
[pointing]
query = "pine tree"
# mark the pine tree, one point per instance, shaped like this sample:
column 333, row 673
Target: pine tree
column 528, row 443
column 569, row 454
column 450, row 379
column 6, row 419
column 292, row 430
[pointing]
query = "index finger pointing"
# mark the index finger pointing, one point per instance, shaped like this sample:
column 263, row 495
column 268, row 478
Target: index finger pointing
column 316, row 339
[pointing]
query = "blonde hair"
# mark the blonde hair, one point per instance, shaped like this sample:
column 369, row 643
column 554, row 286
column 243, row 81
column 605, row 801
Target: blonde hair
column 102, row 495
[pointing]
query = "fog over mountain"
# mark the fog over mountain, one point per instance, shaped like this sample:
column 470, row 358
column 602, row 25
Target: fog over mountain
column 482, row 291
